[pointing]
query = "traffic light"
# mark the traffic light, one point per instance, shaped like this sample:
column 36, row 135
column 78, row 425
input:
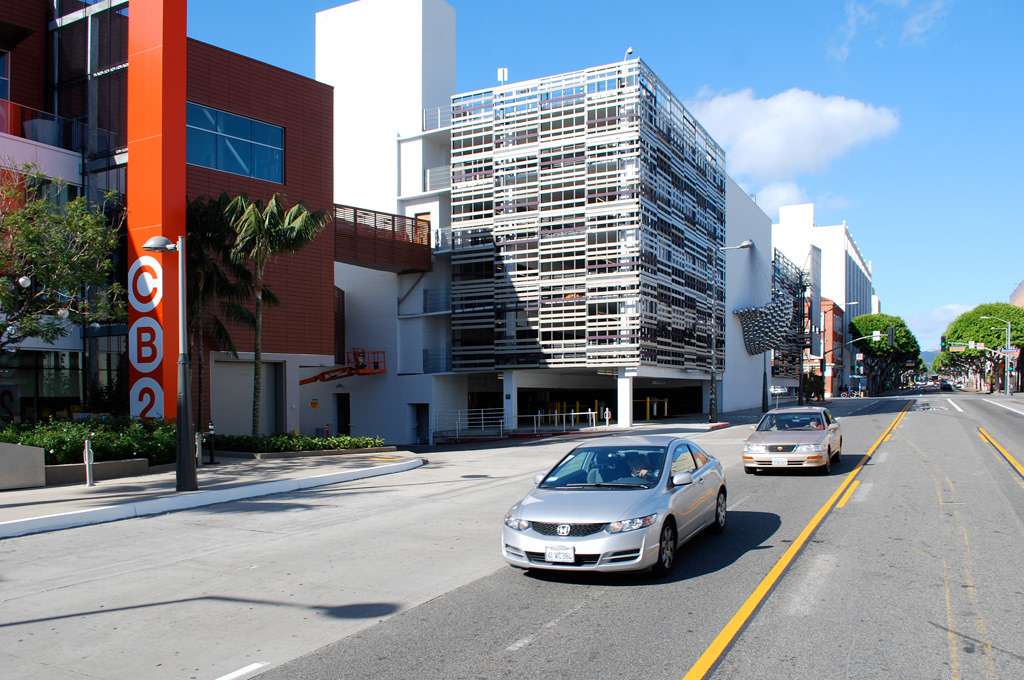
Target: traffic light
column 892, row 336
column 942, row 343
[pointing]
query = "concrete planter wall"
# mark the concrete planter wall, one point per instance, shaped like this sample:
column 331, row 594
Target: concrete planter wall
column 21, row 467
column 74, row 473
column 302, row 454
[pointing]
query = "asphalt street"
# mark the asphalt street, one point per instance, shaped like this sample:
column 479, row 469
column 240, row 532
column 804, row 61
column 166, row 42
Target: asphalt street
column 912, row 570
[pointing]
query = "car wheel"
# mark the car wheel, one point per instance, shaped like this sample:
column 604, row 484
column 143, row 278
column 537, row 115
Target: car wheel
column 826, row 469
column 839, row 452
column 666, row 550
column 721, row 511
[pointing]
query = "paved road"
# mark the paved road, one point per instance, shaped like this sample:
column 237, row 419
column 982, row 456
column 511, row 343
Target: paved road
column 401, row 576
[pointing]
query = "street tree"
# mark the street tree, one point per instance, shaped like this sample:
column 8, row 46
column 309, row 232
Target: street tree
column 219, row 288
column 971, row 327
column 883, row 363
column 56, row 257
column 262, row 233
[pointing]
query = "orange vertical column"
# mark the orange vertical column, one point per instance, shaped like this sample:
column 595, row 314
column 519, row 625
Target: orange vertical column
column 156, row 199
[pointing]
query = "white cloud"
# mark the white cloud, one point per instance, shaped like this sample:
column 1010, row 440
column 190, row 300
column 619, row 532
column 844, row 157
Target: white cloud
column 775, row 194
column 791, row 133
column 923, row 21
column 876, row 19
column 929, row 326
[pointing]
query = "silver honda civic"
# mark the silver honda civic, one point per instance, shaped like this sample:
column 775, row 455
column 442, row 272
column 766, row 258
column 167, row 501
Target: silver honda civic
column 617, row 504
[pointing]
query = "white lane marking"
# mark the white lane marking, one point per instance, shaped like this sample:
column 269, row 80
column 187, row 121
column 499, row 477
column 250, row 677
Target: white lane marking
column 805, row 598
column 244, row 671
column 519, row 644
column 862, row 493
column 1020, row 413
column 953, row 404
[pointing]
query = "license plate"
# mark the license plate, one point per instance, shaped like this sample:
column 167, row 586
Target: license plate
column 559, row 555
column 780, row 461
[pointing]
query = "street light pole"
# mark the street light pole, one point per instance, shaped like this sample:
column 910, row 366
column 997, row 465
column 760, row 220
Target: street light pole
column 1006, row 355
column 713, row 390
column 185, row 470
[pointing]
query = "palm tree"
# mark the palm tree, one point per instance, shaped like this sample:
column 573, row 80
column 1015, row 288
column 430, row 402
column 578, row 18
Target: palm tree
column 263, row 232
column 215, row 280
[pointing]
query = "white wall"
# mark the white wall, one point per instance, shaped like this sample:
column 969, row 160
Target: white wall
column 387, row 61
column 748, row 276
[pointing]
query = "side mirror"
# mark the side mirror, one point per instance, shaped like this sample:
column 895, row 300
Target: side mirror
column 753, row 427
column 682, row 479
column 539, row 477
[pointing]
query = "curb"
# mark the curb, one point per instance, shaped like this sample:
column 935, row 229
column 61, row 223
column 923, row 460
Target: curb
column 156, row 506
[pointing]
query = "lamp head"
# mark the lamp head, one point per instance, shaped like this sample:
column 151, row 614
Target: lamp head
column 160, row 244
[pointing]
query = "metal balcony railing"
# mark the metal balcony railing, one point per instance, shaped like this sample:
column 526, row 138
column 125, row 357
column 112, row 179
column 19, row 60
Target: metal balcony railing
column 442, row 239
column 39, row 126
column 439, row 178
column 437, row 361
column 435, row 119
column 437, row 301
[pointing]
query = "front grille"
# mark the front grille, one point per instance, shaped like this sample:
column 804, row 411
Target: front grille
column 581, row 560
column 781, row 448
column 551, row 529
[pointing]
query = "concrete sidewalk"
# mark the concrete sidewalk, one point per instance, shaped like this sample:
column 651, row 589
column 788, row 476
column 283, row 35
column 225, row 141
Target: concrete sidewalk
column 28, row 511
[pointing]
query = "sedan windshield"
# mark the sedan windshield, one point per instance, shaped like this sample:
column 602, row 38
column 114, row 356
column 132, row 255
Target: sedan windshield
column 790, row 421
column 608, row 467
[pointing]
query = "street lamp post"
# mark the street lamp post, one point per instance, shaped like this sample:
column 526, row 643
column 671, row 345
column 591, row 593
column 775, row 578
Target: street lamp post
column 1006, row 355
column 713, row 391
column 185, row 471
column 848, row 376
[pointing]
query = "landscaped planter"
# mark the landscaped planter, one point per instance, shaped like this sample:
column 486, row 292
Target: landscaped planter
column 302, row 454
column 21, row 467
column 74, row 473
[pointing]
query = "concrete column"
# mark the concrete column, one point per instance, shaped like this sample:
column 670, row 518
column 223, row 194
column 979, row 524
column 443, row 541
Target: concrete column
column 510, row 399
column 624, row 412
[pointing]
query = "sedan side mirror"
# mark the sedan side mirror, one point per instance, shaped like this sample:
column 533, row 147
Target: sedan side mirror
column 682, row 479
column 539, row 477
column 753, row 427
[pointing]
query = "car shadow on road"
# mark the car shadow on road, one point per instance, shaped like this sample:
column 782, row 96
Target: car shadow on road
column 704, row 554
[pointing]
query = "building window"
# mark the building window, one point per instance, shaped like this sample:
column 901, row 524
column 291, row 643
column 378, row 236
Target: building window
column 5, row 75
column 230, row 143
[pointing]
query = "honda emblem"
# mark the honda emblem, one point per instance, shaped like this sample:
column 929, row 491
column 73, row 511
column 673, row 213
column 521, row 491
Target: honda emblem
column 564, row 529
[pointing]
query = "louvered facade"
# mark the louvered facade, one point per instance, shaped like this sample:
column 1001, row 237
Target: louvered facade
column 587, row 213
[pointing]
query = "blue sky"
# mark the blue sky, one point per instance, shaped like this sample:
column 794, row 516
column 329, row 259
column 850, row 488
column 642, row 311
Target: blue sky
column 901, row 117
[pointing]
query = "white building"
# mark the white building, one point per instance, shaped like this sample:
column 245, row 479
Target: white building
column 578, row 222
column 844, row 273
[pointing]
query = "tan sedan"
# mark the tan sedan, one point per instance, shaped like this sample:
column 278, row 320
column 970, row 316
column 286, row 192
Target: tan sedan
column 794, row 437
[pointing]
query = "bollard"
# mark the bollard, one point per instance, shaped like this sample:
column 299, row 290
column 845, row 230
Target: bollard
column 88, row 459
column 607, row 416
column 199, row 449
column 212, row 461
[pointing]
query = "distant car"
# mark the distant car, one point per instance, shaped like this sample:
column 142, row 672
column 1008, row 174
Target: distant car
column 945, row 386
column 794, row 437
column 617, row 504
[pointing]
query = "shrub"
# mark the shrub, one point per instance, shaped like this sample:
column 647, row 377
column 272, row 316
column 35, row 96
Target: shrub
column 63, row 441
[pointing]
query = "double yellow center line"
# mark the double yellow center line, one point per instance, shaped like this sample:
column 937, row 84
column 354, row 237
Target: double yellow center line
column 712, row 654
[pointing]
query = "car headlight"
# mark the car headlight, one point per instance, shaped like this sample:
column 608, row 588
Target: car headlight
column 517, row 523
column 808, row 448
column 755, row 448
column 631, row 524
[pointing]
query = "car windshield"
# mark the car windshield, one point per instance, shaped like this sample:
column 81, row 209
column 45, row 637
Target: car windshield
column 608, row 467
column 790, row 421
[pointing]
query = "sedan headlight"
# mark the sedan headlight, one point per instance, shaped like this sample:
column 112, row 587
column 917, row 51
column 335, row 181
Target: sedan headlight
column 755, row 448
column 631, row 524
column 808, row 448
column 517, row 523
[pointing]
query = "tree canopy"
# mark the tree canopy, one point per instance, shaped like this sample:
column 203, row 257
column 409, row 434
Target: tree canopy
column 882, row 362
column 56, row 258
